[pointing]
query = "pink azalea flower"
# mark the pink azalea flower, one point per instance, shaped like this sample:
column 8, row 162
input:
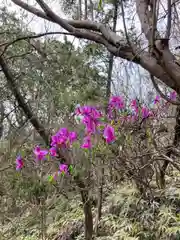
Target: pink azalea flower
column 19, row 163
column 135, row 106
column 53, row 152
column 109, row 134
column 58, row 140
column 72, row 137
column 173, row 95
column 88, row 111
column 145, row 112
column 90, row 124
column 40, row 153
column 63, row 137
column 90, row 118
column 63, row 132
column 87, row 143
column 157, row 99
column 116, row 102
column 63, row 168
column 134, row 103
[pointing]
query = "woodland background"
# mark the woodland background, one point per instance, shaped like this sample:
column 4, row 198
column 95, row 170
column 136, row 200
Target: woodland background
column 98, row 48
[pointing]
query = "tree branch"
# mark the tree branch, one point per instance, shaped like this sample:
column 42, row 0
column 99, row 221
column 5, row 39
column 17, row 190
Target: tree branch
column 7, row 44
column 32, row 118
column 49, row 13
column 101, row 34
column 161, row 93
column 168, row 30
column 145, row 10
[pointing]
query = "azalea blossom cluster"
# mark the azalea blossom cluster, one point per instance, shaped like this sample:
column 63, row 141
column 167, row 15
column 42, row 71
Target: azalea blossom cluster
column 94, row 124
column 93, row 121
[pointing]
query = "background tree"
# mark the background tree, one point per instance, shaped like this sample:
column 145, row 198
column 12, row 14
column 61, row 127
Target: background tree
column 48, row 75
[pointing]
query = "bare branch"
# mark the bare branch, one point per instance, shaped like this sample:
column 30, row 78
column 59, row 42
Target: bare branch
column 170, row 161
column 168, row 30
column 7, row 44
column 101, row 34
column 49, row 13
column 124, row 24
column 2, row 114
column 161, row 93
column 108, row 36
column 145, row 12
column 154, row 25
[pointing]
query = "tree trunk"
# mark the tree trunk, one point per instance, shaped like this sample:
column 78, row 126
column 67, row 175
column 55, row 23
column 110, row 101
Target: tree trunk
column 80, row 9
column 2, row 115
column 100, row 196
column 88, row 231
column 23, row 105
column 85, row 9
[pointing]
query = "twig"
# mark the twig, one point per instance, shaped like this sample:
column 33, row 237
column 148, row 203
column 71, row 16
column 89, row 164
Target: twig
column 161, row 93
column 169, row 13
column 28, row 37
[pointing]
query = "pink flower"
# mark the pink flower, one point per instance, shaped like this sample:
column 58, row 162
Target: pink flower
column 53, row 152
column 88, row 111
column 173, row 95
column 157, row 99
column 63, row 137
column 19, row 163
column 72, row 137
column 109, row 134
column 134, row 103
column 87, row 143
column 90, row 117
column 116, row 102
column 134, row 106
column 63, row 168
column 40, row 153
column 63, row 132
column 58, row 140
column 90, row 124
column 145, row 112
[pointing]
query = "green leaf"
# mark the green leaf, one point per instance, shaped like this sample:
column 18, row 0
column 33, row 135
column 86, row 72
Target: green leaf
column 71, row 169
column 100, row 5
column 50, row 178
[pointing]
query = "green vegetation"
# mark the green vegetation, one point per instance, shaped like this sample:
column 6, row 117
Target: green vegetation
column 127, row 190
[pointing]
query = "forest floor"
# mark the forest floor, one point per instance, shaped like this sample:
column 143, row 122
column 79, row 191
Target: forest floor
column 125, row 215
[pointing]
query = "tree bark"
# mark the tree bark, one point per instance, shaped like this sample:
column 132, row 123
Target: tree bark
column 87, row 206
column 85, row 9
column 23, row 105
column 2, row 115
